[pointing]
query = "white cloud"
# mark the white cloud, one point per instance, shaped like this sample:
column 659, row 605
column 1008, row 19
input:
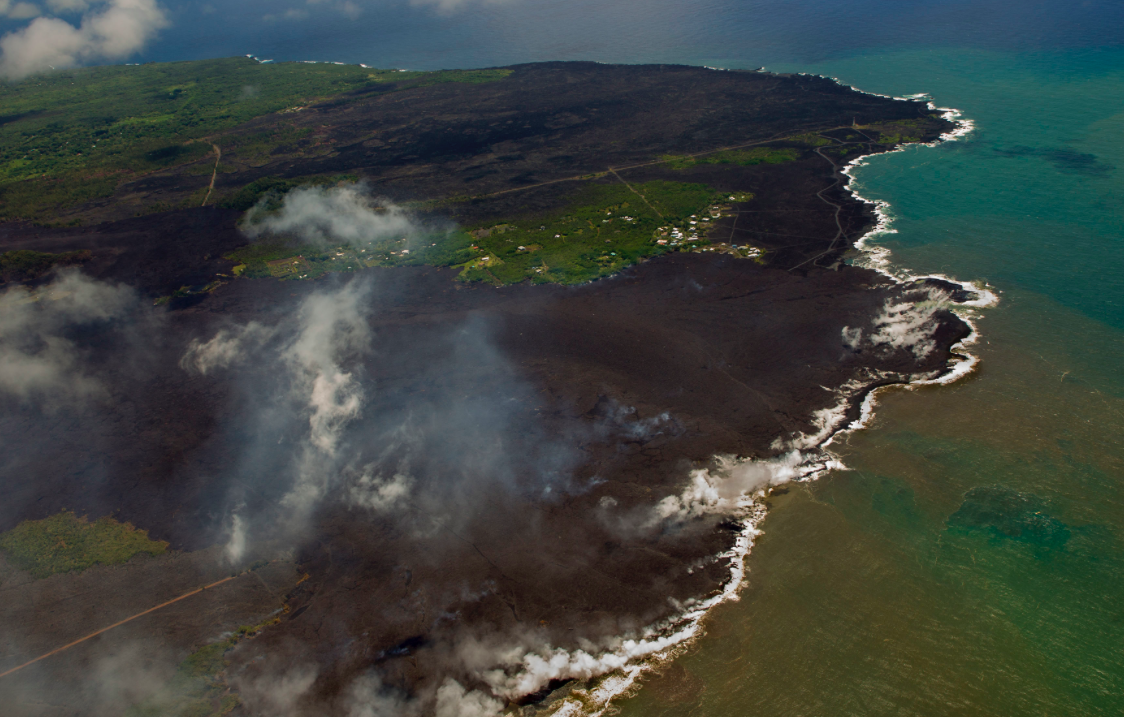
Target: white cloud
column 450, row 6
column 290, row 14
column 23, row 11
column 67, row 5
column 344, row 7
column 346, row 214
column 114, row 32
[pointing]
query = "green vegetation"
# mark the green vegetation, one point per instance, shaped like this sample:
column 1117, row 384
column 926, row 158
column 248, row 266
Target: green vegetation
column 893, row 138
column 606, row 228
column 899, row 131
column 24, row 264
column 65, row 542
column 424, row 79
column 198, row 688
column 743, row 157
column 810, row 139
column 68, row 137
column 285, row 258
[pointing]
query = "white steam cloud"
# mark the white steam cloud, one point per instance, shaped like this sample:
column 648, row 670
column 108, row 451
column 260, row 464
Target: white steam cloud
column 910, row 324
column 331, row 328
column 516, row 670
column 226, row 348
column 37, row 361
column 345, row 214
column 368, row 697
column 276, row 695
column 374, row 492
column 18, row 10
column 852, row 338
column 453, row 700
column 236, row 544
column 725, row 489
column 114, row 32
column 907, row 323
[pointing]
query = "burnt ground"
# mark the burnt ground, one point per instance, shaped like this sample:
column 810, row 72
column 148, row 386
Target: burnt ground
column 540, row 424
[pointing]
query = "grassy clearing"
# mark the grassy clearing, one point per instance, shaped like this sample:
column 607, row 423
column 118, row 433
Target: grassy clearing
column 810, row 139
column 66, row 542
column 70, row 136
column 742, row 157
column 608, row 227
column 287, row 258
column 898, row 131
column 198, row 687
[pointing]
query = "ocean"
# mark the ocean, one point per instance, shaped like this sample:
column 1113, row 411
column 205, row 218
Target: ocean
column 970, row 558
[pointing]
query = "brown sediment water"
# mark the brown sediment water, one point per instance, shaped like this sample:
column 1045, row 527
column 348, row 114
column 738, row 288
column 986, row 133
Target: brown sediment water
column 974, row 538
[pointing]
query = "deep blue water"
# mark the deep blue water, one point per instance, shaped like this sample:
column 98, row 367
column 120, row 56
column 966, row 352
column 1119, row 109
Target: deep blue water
column 476, row 33
column 726, row 32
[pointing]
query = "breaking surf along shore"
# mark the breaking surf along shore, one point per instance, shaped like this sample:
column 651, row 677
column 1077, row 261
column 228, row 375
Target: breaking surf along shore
column 505, row 485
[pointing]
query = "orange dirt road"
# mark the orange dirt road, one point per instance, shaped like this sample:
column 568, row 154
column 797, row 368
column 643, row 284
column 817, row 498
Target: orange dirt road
column 57, row 650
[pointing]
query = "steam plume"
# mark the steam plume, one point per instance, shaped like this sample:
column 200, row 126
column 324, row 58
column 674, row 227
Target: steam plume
column 910, row 323
column 318, row 215
column 37, row 360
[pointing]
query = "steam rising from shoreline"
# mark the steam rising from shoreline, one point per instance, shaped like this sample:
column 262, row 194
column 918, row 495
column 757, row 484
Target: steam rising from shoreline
column 725, row 489
column 911, row 324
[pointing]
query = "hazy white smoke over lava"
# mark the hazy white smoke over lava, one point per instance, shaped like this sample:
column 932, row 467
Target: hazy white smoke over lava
column 453, row 700
column 910, row 323
column 227, row 347
column 721, row 490
column 378, row 493
column 37, row 360
column 330, row 329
